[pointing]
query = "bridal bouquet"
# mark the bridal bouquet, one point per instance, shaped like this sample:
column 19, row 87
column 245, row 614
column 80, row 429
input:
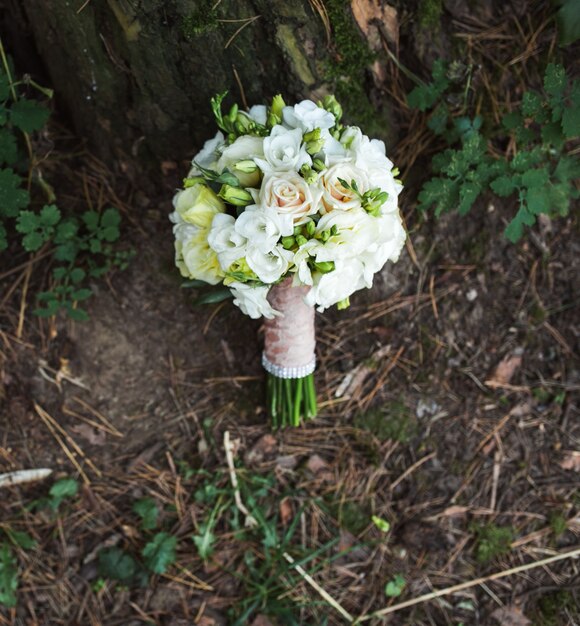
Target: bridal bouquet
column 290, row 210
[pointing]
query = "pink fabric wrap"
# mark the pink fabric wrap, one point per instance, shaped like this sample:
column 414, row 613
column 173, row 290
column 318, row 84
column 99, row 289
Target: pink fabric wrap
column 289, row 339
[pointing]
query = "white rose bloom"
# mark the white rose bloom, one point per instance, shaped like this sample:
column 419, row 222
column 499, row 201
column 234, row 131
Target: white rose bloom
column 244, row 148
column 253, row 300
column 225, row 241
column 207, row 157
column 289, row 194
column 346, row 278
column 334, row 195
column 300, row 261
column 357, row 232
column 269, row 266
column 307, row 116
column 263, row 227
column 283, row 151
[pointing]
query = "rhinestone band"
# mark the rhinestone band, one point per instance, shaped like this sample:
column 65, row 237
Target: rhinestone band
column 288, row 372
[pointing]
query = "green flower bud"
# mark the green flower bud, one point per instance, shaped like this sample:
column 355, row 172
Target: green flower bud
column 297, row 231
column 313, row 135
column 343, row 304
column 247, row 166
column 314, row 147
column 277, row 105
column 288, row 242
column 233, row 113
column 324, row 266
column 191, row 182
column 235, row 195
column 325, row 236
column 334, row 230
column 243, row 123
column 330, row 103
column 301, row 240
column 318, row 165
column 273, row 120
column 395, row 171
column 308, row 174
column 310, row 227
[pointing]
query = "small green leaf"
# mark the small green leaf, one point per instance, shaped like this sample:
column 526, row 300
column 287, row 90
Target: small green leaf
column 571, row 114
column 110, row 217
column 205, row 541
column 8, row 576
column 27, row 222
column 568, row 18
column 81, row 294
column 159, row 553
column 194, row 284
column 515, row 228
column 20, row 538
column 64, row 488
column 66, row 252
column 381, row 524
column 147, row 510
column 32, row 241
column 536, row 177
column 213, row 297
column 28, row 115
column 75, row 313
column 8, row 147
column 49, row 215
column 503, row 186
column 468, row 194
column 538, row 200
column 116, row 564
column 91, row 220
column 12, row 197
column 65, row 231
column 394, row 588
column 77, row 275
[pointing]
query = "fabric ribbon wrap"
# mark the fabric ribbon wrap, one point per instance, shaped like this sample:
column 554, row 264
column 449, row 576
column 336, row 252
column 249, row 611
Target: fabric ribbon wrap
column 289, row 341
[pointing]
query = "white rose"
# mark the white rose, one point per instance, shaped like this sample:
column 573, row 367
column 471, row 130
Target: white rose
column 283, row 151
column 269, row 266
column 225, row 241
column 244, row 148
column 334, row 195
column 307, row 116
column 263, row 227
column 207, row 157
column 253, row 300
column 356, row 232
column 289, row 194
column 346, row 278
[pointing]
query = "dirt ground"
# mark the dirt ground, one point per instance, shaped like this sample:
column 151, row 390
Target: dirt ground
column 449, row 408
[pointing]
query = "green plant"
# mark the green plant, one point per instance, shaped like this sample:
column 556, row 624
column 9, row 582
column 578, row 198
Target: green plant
column 541, row 175
column 394, row 588
column 61, row 490
column 81, row 247
column 8, row 576
column 492, row 541
column 147, row 510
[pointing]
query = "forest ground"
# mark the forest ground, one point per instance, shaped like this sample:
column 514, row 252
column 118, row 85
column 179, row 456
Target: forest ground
column 448, row 408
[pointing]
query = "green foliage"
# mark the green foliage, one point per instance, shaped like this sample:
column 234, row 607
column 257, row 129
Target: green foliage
column 381, row 523
column 8, row 576
column 541, row 175
column 392, row 421
column 394, row 588
column 557, row 608
column 147, row 510
column 492, row 541
column 568, row 18
column 159, row 553
column 116, row 564
column 81, row 248
column 202, row 20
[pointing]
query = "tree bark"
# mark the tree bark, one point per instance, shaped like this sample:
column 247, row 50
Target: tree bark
column 136, row 76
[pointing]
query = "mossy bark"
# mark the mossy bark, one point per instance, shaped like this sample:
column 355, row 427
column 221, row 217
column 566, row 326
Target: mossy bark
column 136, row 75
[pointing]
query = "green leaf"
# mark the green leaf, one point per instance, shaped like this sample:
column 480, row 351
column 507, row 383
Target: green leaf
column 116, row 564
column 33, row 241
column 555, row 86
column 527, row 159
column 381, row 524
column 568, row 169
column 91, row 220
column 213, row 297
column 552, row 134
column 532, row 105
column 51, row 308
column 66, row 251
column 65, row 231
column 159, row 553
column 81, row 294
column 394, row 588
column 438, row 120
column 147, row 510
column 423, row 97
column 536, row 177
column 75, row 313
column 568, row 18
column 110, row 217
column 20, row 538
column 467, row 196
column 4, row 86
column 512, row 120
column 63, row 488
column 8, row 576
column 194, row 284
column 8, row 147
column 571, row 115
column 205, row 541
column 12, row 197
column 3, row 238
column 503, row 186
column 538, row 200
column 441, row 192
column 515, row 228
column 77, row 275
column 27, row 222
column 28, row 115
column 49, row 215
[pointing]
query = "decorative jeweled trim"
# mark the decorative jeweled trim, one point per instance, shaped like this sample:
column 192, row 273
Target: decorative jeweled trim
column 288, row 372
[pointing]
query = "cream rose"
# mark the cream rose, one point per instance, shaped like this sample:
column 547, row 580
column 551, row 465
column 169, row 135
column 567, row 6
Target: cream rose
column 289, row 194
column 334, row 195
column 198, row 205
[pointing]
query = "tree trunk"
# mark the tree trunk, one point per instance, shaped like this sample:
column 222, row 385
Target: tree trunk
column 136, row 76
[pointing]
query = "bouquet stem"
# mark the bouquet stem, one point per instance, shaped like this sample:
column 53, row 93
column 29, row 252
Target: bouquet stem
column 289, row 358
column 289, row 400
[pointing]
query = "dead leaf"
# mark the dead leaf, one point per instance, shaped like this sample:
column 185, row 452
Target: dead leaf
column 454, row 511
column 266, row 447
column 286, row 462
column 571, row 461
column 94, row 436
column 505, row 370
column 510, row 616
column 319, row 467
column 285, row 511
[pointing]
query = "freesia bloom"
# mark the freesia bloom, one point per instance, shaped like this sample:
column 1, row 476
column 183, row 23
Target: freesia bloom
column 244, row 148
column 228, row 244
column 335, row 286
column 307, row 116
column 269, row 266
column 263, row 227
column 283, row 151
column 252, row 300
